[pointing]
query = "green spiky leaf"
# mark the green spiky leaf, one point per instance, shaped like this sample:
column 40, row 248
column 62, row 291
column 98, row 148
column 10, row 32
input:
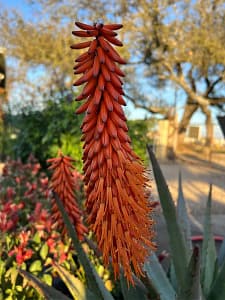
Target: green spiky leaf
column 94, row 282
column 182, row 216
column 221, row 255
column 177, row 245
column 193, row 277
column 158, row 278
column 172, row 276
column 131, row 292
column 209, row 255
column 217, row 291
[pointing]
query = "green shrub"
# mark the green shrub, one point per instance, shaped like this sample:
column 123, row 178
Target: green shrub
column 42, row 133
column 139, row 133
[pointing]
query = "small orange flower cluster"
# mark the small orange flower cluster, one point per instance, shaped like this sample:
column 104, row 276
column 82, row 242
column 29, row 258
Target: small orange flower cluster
column 117, row 194
column 63, row 183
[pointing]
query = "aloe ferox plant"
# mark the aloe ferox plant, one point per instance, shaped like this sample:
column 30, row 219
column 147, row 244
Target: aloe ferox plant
column 117, row 173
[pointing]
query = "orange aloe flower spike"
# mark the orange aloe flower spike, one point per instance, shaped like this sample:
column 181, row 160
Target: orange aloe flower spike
column 63, row 183
column 118, row 207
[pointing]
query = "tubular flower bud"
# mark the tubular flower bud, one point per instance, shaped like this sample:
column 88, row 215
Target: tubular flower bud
column 117, row 188
column 64, row 184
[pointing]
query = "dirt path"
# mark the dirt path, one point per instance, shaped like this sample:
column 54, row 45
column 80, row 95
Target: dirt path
column 196, row 178
column 197, row 174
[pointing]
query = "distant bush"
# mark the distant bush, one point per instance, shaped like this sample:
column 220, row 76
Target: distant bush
column 42, row 133
column 138, row 131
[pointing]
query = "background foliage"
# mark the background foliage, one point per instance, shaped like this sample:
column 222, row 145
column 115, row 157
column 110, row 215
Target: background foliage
column 43, row 132
column 172, row 47
column 138, row 131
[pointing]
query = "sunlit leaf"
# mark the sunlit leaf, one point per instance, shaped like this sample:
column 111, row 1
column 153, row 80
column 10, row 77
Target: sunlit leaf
column 77, row 289
column 48, row 292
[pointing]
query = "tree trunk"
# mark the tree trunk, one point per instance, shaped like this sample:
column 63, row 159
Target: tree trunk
column 208, row 125
column 209, row 132
column 189, row 110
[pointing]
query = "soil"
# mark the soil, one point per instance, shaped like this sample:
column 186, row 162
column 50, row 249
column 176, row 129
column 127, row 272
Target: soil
column 197, row 173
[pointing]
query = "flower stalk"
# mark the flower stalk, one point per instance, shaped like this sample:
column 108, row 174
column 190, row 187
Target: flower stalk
column 118, row 207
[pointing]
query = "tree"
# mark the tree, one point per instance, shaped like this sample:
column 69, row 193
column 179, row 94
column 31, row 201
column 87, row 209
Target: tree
column 181, row 42
column 176, row 43
column 42, row 41
column 3, row 96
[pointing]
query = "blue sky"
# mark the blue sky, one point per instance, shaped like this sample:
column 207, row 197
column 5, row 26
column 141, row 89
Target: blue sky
column 132, row 112
column 19, row 5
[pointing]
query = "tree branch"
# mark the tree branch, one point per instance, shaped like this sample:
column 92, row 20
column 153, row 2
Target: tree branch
column 193, row 85
column 167, row 67
column 151, row 109
column 192, row 95
column 201, row 100
column 216, row 100
column 212, row 85
column 207, row 82
column 179, row 69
